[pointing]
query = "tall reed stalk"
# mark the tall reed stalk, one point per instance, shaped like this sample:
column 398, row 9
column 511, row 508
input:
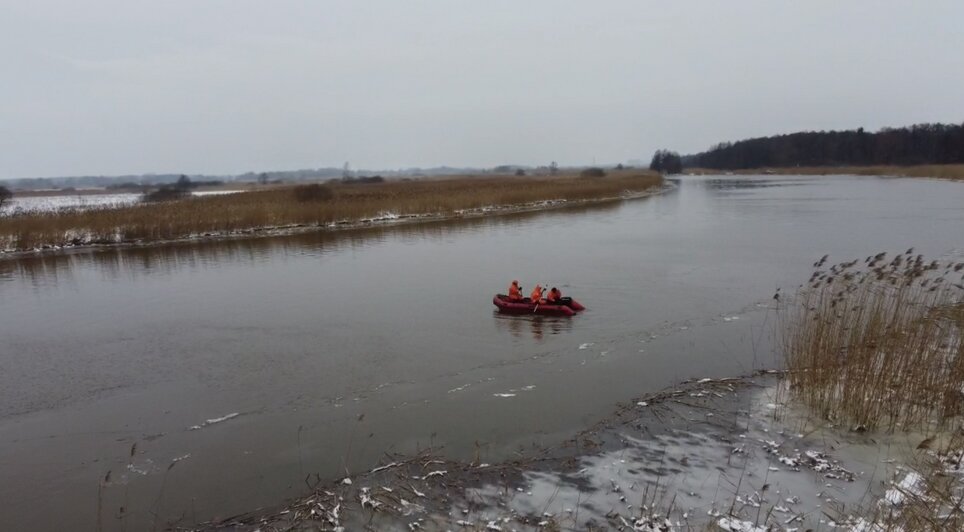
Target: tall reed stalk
column 879, row 344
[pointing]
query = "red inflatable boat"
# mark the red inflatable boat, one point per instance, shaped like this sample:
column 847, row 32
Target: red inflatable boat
column 566, row 306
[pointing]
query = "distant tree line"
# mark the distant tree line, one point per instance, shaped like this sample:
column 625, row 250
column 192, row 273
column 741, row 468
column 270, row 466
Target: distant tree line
column 917, row 144
column 666, row 162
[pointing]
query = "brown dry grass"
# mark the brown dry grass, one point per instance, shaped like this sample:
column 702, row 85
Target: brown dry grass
column 941, row 171
column 278, row 208
column 879, row 343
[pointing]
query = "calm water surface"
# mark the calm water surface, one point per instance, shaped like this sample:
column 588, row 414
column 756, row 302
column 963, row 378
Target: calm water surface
column 301, row 335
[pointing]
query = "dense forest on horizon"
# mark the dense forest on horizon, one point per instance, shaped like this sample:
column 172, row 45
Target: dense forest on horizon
column 917, row 144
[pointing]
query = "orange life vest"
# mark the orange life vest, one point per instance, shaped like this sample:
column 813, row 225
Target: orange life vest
column 514, row 292
column 536, row 295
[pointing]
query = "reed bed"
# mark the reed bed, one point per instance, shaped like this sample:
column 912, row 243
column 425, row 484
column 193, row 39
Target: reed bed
column 283, row 207
column 878, row 343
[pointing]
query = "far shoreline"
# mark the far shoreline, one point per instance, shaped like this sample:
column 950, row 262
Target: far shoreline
column 951, row 172
column 389, row 220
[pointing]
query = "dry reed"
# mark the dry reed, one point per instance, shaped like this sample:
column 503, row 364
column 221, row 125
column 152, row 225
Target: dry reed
column 879, row 344
column 278, row 207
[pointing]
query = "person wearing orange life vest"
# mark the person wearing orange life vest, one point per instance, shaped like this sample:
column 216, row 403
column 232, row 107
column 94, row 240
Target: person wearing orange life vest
column 554, row 295
column 515, row 291
column 536, row 295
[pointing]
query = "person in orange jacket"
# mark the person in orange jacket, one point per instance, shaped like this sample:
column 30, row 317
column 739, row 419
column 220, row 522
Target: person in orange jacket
column 536, row 295
column 554, row 295
column 515, row 291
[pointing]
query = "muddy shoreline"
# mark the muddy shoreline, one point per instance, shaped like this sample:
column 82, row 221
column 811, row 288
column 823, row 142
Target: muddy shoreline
column 389, row 220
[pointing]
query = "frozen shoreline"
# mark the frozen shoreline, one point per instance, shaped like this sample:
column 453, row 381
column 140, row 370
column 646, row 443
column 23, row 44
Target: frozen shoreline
column 721, row 453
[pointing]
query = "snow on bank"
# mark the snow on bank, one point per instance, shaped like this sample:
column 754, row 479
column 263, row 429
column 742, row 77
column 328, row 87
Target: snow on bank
column 669, row 466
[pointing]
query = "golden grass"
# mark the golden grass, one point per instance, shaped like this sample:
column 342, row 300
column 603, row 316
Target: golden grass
column 879, row 344
column 941, row 171
column 278, row 207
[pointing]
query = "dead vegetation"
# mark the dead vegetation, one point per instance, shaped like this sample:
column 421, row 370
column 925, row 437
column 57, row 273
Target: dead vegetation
column 314, row 205
column 878, row 343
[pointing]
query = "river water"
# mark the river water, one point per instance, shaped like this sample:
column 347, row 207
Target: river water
column 333, row 348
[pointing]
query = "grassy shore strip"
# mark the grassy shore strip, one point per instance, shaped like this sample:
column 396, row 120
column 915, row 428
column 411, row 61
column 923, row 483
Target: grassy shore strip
column 282, row 209
column 940, row 171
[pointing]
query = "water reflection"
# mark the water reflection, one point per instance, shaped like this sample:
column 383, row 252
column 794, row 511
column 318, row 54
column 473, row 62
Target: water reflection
column 747, row 183
column 537, row 326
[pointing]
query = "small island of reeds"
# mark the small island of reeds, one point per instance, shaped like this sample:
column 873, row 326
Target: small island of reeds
column 318, row 205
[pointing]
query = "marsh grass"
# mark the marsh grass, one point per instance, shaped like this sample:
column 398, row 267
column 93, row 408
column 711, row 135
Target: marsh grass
column 280, row 207
column 878, row 343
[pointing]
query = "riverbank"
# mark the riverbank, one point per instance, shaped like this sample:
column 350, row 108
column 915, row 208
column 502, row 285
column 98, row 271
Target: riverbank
column 312, row 207
column 940, row 171
column 714, row 454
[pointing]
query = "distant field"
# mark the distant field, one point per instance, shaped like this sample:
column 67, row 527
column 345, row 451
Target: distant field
column 126, row 190
column 285, row 206
column 942, row 171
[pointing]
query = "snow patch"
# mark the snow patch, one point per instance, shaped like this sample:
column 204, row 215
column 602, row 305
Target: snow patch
column 214, row 421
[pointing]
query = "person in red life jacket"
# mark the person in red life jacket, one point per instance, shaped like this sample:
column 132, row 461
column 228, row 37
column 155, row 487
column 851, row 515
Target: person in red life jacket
column 515, row 291
column 554, row 295
column 536, row 295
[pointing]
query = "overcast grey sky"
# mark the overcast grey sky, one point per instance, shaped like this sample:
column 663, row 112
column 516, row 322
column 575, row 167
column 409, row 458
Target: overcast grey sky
column 227, row 86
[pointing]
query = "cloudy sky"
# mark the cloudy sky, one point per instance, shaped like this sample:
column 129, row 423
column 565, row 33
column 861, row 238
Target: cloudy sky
column 227, row 86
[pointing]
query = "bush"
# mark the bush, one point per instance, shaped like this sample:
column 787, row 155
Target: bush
column 5, row 194
column 362, row 180
column 592, row 172
column 167, row 193
column 313, row 192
